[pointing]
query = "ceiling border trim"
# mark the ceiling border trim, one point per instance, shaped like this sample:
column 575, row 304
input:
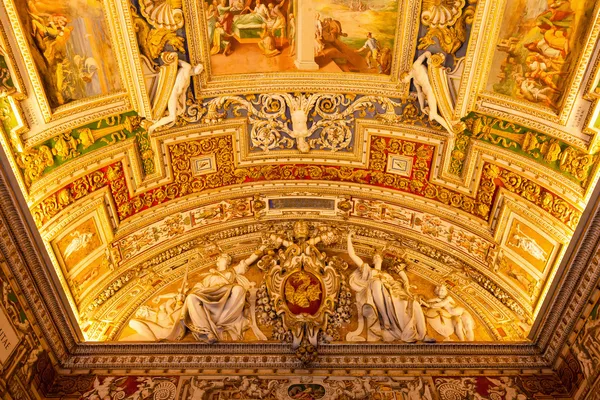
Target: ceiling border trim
column 28, row 267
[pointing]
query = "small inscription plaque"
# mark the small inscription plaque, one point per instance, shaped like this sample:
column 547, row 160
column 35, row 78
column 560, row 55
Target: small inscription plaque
column 8, row 337
column 400, row 165
column 302, row 203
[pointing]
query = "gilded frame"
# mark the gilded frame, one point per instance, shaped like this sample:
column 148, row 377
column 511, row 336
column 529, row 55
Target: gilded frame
column 519, row 111
column 94, row 209
column 210, row 85
column 95, row 107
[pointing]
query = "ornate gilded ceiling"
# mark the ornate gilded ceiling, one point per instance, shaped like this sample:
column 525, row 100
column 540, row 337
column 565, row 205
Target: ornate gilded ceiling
column 454, row 142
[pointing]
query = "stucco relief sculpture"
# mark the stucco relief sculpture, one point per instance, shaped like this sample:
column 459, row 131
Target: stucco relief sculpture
column 386, row 307
column 447, row 21
column 79, row 241
column 306, row 122
column 430, row 79
column 302, row 290
column 528, row 244
column 300, row 130
column 446, row 318
column 163, row 13
column 305, row 297
column 177, row 99
column 215, row 305
column 153, row 323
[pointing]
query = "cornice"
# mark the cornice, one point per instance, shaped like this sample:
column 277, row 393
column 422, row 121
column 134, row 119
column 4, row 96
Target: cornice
column 580, row 269
column 188, row 356
column 26, row 264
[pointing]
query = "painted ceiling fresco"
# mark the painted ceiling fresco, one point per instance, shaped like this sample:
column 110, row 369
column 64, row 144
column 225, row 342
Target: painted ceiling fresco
column 303, row 172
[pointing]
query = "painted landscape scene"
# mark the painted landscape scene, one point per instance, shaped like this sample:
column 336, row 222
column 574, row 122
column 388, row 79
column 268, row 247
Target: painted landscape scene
column 356, row 35
column 71, row 48
column 539, row 45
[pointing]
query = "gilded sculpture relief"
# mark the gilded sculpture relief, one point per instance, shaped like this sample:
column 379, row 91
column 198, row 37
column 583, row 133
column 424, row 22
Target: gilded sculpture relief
column 530, row 245
column 546, row 150
column 364, row 205
column 446, row 21
column 205, row 136
column 78, row 243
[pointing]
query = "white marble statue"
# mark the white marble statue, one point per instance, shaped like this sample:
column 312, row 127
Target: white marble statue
column 385, row 304
column 300, row 130
column 420, row 78
column 177, row 99
column 215, row 305
column 446, row 318
column 156, row 324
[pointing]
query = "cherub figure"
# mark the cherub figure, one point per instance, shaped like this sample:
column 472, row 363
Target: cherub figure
column 420, row 78
column 176, row 104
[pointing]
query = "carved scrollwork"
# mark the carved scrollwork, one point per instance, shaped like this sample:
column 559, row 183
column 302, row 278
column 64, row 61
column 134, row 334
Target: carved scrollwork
column 165, row 14
column 303, row 121
column 302, row 292
column 33, row 162
column 447, row 21
column 152, row 38
column 441, row 13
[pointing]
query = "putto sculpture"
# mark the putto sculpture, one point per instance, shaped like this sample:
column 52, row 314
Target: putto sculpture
column 446, row 318
column 176, row 104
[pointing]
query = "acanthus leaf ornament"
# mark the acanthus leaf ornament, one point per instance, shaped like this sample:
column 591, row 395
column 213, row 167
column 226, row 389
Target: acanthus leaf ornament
column 441, row 13
column 33, row 162
column 317, row 121
column 155, row 29
column 447, row 21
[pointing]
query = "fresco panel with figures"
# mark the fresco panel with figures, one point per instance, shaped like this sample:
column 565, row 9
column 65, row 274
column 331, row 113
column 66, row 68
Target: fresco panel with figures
column 71, row 46
column 538, row 48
